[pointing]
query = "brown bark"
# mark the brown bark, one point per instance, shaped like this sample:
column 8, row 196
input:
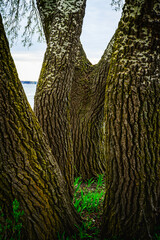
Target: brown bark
column 84, row 89
column 132, row 113
column 28, row 170
column 87, row 104
column 52, row 99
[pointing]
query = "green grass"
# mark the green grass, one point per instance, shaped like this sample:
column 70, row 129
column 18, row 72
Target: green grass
column 11, row 229
column 88, row 200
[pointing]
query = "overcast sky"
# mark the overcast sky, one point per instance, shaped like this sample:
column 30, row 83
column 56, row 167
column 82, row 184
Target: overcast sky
column 99, row 25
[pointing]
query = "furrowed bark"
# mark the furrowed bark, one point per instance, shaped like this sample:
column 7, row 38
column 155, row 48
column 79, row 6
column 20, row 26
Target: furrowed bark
column 86, row 88
column 52, row 99
column 132, row 113
column 87, row 104
column 28, row 170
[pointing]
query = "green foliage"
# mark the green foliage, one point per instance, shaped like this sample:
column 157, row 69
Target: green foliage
column 100, row 181
column 89, row 182
column 11, row 229
column 157, row 237
column 88, row 199
column 62, row 237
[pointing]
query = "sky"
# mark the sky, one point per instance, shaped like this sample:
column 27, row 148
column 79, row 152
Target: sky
column 100, row 23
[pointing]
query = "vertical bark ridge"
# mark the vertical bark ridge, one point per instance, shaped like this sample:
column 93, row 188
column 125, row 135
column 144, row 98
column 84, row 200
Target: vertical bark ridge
column 29, row 171
column 87, row 102
column 132, row 111
column 85, row 90
column 52, row 99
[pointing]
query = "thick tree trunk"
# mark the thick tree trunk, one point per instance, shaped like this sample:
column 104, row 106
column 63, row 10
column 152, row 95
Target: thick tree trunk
column 87, row 104
column 52, row 99
column 132, row 113
column 84, row 87
column 28, row 170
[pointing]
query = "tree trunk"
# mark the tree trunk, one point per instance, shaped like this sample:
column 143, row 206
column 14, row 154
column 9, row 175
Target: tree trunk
column 28, row 169
column 52, row 99
column 84, row 89
column 132, row 113
column 87, row 104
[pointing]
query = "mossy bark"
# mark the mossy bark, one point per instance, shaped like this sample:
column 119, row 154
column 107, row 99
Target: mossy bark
column 132, row 119
column 28, row 170
column 52, row 99
column 87, row 105
column 84, row 90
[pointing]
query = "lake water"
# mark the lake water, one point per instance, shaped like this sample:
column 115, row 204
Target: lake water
column 30, row 90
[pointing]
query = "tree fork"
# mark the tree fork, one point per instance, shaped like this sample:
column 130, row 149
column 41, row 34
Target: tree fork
column 86, row 90
column 87, row 105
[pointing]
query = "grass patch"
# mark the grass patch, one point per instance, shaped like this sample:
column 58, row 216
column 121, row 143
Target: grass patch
column 88, row 201
column 11, row 229
column 88, row 196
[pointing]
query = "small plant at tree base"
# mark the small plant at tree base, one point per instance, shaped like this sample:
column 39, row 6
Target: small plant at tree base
column 11, row 229
column 100, row 181
column 90, row 182
column 88, row 199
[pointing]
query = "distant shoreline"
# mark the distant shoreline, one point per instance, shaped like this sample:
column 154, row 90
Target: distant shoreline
column 29, row 82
